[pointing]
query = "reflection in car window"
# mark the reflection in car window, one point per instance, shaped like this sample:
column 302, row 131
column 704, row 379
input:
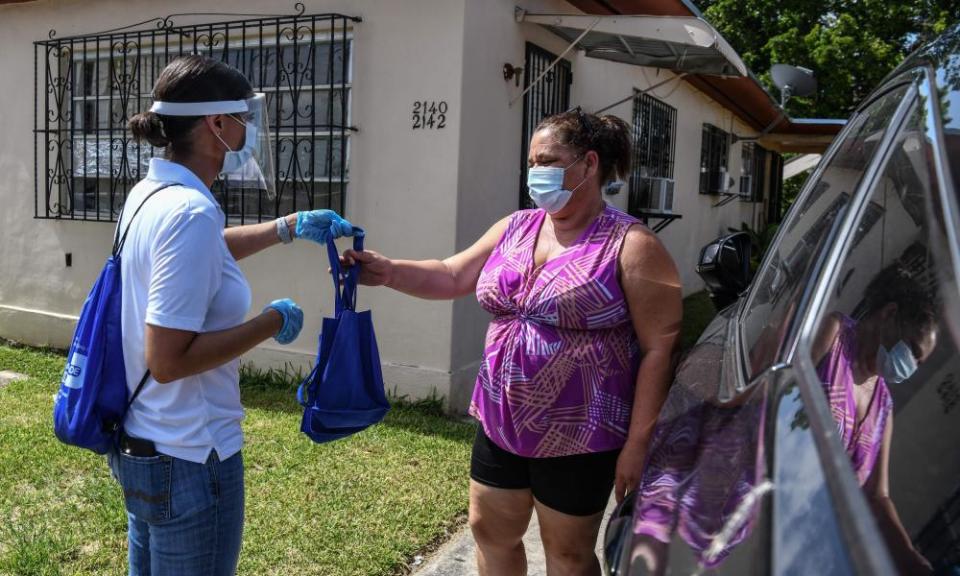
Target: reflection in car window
column 947, row 48
column 804, row 516
column 788, row 269
column 706, row 476
column 883, row 356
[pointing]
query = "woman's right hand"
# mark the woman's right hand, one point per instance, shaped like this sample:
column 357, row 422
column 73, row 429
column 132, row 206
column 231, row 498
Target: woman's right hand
column 375, row 269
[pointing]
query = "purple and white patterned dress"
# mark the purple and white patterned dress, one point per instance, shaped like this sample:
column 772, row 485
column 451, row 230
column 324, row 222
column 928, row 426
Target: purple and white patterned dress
column 862, row 442
column 561, row 356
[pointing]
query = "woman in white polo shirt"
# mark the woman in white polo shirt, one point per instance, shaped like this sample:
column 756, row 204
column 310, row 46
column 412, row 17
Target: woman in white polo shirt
column 183, row 308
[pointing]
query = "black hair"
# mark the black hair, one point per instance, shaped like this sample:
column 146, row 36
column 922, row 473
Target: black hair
column 916, row 305
column 187, row 79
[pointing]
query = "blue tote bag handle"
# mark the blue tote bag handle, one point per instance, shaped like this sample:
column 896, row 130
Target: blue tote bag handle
column 345, row 295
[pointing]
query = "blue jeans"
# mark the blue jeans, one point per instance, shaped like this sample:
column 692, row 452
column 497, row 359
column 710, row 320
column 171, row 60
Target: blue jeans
column 183, row 518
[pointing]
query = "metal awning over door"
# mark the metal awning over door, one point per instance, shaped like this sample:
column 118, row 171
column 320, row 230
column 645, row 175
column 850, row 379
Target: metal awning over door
column 676, row 43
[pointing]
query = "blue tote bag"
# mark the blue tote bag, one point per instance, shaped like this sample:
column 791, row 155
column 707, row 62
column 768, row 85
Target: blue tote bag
column 344, row 393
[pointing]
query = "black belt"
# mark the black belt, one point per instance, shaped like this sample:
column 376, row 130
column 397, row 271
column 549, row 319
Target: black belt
column 136, row 446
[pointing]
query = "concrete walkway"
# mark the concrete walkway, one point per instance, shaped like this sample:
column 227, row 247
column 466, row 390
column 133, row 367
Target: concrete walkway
column 457, row 557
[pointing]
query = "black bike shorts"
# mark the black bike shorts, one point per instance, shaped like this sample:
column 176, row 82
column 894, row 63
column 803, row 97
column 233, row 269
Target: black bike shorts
column 578, row 485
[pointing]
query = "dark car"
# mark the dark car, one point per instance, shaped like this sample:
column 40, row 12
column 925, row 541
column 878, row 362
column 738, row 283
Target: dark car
column 776, row 450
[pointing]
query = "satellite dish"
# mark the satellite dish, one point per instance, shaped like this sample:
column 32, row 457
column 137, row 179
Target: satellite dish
column 793, row 81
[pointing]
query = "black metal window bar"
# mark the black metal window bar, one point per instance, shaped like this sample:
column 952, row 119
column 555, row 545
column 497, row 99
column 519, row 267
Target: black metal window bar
column 748, row 167
column 654, row 148
column 775, row 177
column 753, row 171
column 551, row 96
column 714, row 153
column 87, row 87
column 654, row 137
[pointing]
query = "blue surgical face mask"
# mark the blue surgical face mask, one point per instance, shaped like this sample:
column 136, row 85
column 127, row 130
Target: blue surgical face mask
column 545, row 186
column 896, row 365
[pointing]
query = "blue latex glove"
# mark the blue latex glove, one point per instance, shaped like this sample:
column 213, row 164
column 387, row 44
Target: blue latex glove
column 292, row 320
column 321, row 225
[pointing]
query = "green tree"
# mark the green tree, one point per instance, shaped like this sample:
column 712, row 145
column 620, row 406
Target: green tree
column 849, row 44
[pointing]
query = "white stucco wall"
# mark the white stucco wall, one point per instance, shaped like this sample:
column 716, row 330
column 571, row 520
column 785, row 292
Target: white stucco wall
column 402, row 183
column 419, row 193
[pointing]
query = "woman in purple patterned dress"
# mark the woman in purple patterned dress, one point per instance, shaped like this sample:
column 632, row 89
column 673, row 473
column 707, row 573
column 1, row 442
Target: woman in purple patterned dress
column 856, row 362
column 586, row 306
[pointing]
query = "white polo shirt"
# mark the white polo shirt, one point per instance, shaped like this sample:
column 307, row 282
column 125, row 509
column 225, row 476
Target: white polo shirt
column 178, row 273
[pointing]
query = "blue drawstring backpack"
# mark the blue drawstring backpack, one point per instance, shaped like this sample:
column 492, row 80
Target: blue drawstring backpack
column 92, row 401
column 344, row 393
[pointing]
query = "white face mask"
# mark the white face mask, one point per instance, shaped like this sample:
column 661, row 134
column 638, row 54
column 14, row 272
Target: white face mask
column 235, row 160
column 896, row 365
column 545, row 187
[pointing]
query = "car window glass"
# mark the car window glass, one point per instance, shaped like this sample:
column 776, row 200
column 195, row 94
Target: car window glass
column 948, row 88
column 788, row 269
column 804, row 517
column 888, row 364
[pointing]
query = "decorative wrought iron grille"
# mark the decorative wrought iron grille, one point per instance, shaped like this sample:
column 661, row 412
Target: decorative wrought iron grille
column 551, row 96
column 654, row 138
column 654, row 142
column 714, row 154
column 87, row 87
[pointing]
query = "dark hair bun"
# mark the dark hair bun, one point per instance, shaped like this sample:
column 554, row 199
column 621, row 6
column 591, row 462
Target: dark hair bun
column 613, row 144
column 607, row 135
column 147, row 126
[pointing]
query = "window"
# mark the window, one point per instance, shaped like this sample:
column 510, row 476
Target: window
column 714, row 151
column 775, row 175
column 550, row 96
column 654, row 143
column 790, row 265
column 89, row 86
column 753, row 171
column 889, row 298
column 747, row 169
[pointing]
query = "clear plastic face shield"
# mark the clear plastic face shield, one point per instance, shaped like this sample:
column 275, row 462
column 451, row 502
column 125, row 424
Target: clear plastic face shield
column 251, row 166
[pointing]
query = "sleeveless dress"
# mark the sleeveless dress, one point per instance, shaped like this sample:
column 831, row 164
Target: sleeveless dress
column 862, row 442
column 561, row 356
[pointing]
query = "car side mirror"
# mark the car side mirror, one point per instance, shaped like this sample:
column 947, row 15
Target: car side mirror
column 724, row 266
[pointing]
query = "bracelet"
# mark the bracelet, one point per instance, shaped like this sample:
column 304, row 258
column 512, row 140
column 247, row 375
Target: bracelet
column 283, row 231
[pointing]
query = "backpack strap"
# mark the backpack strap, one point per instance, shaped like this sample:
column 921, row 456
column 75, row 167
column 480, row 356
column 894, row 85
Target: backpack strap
column 119, row 241
column 136, row 393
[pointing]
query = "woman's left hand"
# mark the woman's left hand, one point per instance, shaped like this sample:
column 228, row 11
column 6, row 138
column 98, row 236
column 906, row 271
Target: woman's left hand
column 629, row 468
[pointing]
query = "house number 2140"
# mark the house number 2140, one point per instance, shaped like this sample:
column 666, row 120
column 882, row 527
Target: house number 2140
column 429, row 115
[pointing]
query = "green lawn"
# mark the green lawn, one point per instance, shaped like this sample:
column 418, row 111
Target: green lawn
column 698, row 311
column 362, row 505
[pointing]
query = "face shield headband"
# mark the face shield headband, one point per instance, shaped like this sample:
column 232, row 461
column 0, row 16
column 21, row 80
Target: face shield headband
column 250, row 167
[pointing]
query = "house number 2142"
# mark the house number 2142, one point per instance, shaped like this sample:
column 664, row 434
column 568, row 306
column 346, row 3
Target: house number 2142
column 429, row 115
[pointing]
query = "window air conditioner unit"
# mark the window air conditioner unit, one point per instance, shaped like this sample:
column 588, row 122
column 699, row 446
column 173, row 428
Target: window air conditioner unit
column 653, row 195
column 718, row 181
